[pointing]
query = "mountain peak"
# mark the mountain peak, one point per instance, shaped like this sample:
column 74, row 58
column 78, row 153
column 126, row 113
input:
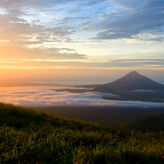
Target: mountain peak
column 133, row 81
column 133, row 73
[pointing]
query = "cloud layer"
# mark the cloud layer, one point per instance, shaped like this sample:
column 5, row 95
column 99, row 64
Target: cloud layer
column 90, row 33
column 133, row 18
column 44, row 96
column 50, row 21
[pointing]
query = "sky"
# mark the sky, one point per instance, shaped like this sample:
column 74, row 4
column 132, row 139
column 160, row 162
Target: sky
column 80, row 41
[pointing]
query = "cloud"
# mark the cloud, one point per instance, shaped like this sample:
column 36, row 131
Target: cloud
column 27, row 33
column 24, row 19
column 52, row 17
column 132, row 18
column 38, row 54
column 127, row 63
column 43, row 3
column 31, row 30
column 62, row 20
column 79, row 62
column 41, row 96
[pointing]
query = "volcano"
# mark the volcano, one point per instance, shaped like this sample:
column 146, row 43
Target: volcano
column 131, row 82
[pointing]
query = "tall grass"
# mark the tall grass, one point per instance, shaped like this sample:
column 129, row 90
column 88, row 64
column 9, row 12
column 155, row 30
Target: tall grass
column 27, row 136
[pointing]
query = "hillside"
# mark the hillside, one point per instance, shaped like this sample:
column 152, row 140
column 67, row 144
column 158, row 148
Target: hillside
column 28, row 136
column 148, row 123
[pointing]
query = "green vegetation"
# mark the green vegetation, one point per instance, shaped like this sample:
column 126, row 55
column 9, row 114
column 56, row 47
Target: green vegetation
column 28, row 136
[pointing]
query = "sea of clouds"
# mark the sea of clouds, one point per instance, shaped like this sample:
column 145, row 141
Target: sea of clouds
column 36, row 96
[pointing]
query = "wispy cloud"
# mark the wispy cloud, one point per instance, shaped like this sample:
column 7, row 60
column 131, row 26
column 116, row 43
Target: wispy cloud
column 62, row 20
column 129, row 19
column 79, row 34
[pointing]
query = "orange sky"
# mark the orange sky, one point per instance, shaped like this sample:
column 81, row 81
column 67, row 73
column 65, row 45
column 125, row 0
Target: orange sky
column 80, row 41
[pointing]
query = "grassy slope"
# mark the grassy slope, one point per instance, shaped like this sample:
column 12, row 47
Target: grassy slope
column 147, row 123
column 27, row 136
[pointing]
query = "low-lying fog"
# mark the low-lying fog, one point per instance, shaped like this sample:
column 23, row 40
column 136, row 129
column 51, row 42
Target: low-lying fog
column 48, row 96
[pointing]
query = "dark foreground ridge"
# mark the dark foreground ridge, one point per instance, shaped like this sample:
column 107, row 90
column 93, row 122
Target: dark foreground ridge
column 28, row 136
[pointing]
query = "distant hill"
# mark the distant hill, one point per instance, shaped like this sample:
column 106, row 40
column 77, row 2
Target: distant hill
column 148, row 123
column 131, row 81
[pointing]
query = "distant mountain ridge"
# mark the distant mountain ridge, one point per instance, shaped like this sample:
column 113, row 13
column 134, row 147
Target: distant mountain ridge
column 131, row 81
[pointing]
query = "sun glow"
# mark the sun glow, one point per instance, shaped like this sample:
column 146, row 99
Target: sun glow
column 74, row 43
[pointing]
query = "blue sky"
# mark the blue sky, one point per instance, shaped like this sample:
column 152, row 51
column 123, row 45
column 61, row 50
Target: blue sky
column 85, row 35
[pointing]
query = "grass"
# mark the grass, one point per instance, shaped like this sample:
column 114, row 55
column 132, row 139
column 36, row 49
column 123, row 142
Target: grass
column 28, row 136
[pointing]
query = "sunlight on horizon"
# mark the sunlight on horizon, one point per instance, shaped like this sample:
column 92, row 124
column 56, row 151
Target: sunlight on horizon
column 80, row 40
